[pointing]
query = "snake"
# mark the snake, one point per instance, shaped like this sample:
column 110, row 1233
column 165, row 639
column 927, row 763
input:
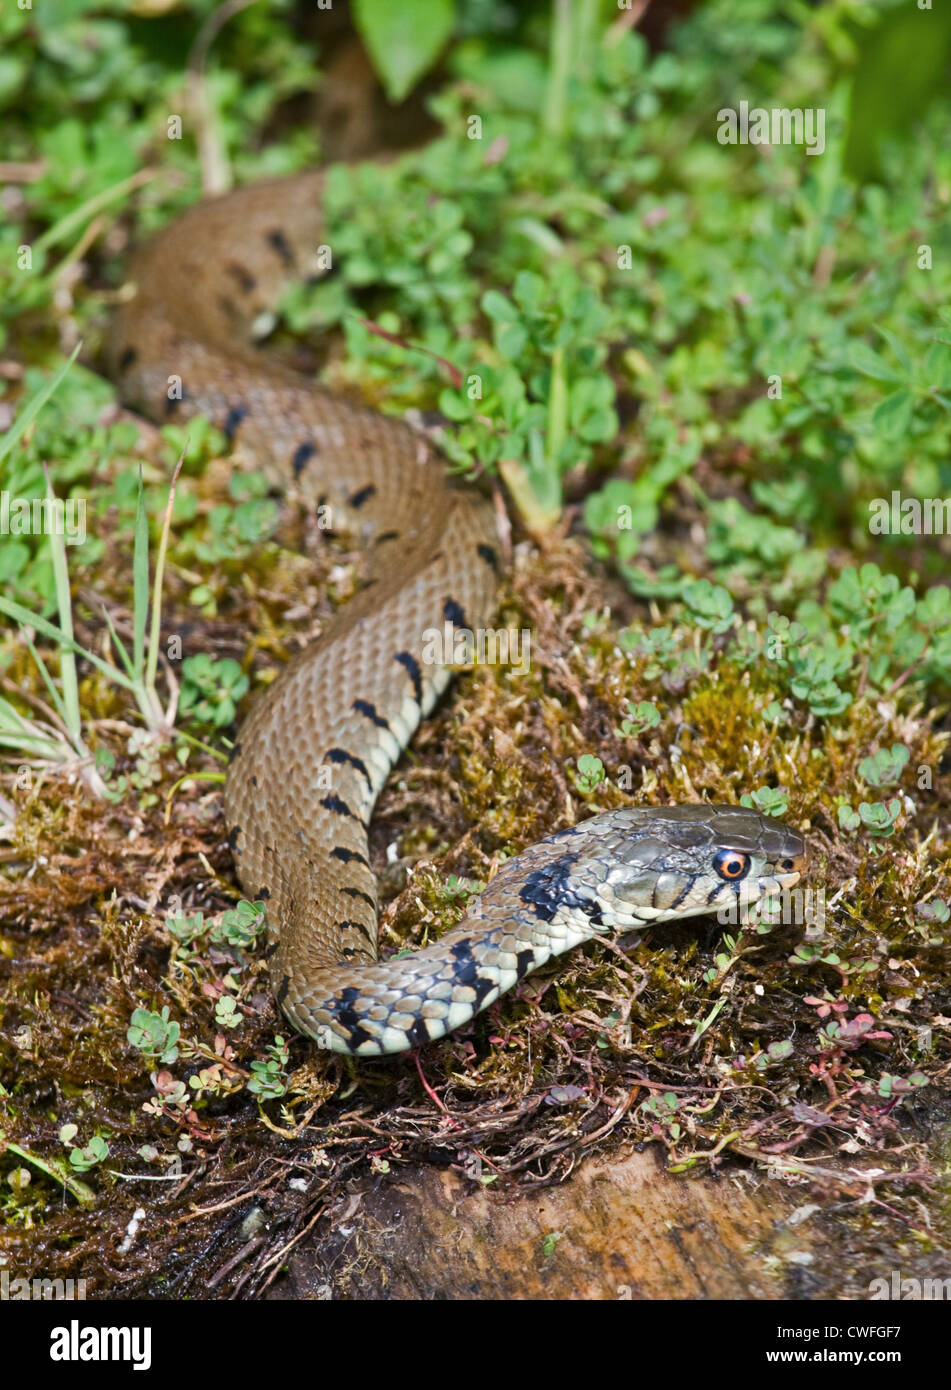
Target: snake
column 315, row 750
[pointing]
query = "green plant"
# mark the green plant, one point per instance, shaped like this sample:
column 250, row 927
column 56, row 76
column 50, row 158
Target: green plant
column 268, row 1079
column 240, row 926
column 772, row 801
column 542, row 414
column 590, row 773
column 59, row 739
column 87, row 1157
column 884, row 768
column 211, row 690
column 642, row 717
column 404, row 43
column 877, row 818
column 227, row 1013
column 460, row 889
column 155, row 1035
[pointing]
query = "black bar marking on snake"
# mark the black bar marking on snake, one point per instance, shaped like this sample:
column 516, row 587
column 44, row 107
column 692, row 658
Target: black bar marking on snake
column 524, row 960
column 233, row 834
column 359, row 893
column 418, row 1035
column 281, row 245
column 282, row 992
column 486, row 553
column 415, row 674
column 357, row 926
column 387, row 536
column 549, row 890
column 339, row 808
column 350, row 1019
column 232, row 420
column 340, row 755
column 362, row 495
column 680, row 896
column 468, row 972
column 129, row 356
column 270, row 950
column 264, row 894
column 235, row 750
column 302, row 456
column 348, row 856
column 254, row 779
column 453, row 613
column 364, row 707
column 242, row 275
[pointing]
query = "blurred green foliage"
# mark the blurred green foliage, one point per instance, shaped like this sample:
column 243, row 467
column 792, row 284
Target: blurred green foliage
column 631, row 303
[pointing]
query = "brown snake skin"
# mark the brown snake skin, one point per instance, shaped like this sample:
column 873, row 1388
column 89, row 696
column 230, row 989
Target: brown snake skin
column 342, row 712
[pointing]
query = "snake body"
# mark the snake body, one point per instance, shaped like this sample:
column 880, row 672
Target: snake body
column 315, row 751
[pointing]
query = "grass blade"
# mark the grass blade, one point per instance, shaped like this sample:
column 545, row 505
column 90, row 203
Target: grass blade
column 156, row 630
column 118, row 644
column 48, row 681
column 25, row 618
column 67, row 659
column 140, row 581
column 33, row 407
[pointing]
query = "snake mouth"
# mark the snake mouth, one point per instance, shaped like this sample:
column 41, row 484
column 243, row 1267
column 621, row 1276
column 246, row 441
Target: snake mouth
column 788, row 869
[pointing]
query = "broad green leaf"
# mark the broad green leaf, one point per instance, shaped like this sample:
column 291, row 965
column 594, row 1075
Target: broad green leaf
column 867, row 361
column 403, row 39
column 498, row 307
column 898, row 348
column 893, row 416
column 937, row 370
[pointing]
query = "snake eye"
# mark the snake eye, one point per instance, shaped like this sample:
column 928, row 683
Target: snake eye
column 731, row 865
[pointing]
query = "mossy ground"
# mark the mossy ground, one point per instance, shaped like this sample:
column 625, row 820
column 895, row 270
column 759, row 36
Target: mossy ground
column 708, row 1048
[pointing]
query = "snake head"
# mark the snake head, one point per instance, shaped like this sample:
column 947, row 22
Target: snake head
column 659, row 864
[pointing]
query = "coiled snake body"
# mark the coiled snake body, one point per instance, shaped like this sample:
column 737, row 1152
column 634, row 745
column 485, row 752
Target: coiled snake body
column 348, row 705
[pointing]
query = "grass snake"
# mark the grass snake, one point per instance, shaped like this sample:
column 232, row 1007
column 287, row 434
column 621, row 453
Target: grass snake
column 317, row 747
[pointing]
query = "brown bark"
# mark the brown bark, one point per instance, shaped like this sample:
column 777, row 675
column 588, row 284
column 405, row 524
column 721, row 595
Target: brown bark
column 628, row 1230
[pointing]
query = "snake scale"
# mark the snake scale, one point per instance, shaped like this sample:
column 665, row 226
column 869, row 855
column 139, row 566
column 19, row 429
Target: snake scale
column 317, row 747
